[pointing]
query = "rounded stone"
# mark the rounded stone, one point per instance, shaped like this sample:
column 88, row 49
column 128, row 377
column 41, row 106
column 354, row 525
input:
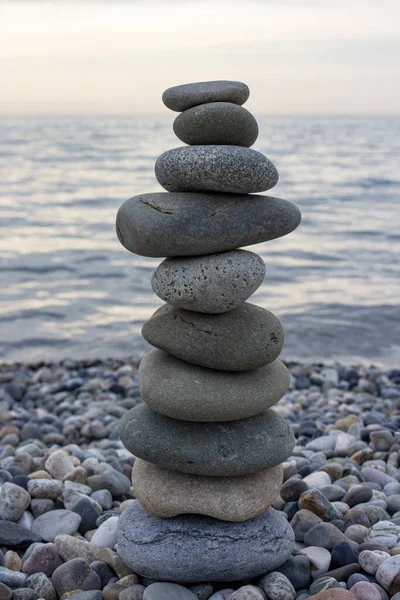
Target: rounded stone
column 214, row 283
column 216, row 449
column 217, row 123
column 192, row 548
column 75, row 574
column 182, row 97
column 276, row 585
column 242, row 339
column 167, row 493
column 190, row 224
column 228, row 169
column 56, row 522
column 180, row 390
column 167, row 591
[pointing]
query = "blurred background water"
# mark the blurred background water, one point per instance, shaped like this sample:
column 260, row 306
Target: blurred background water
column 69, row 289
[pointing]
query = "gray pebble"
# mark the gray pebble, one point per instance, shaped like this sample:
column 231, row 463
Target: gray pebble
column 214, row 283
column 12, row 578
column 200, row 548
column 217, row 449
column 216, row 123
column 167, row 591
column 42, row 586
column 191, row 224
column 55, row 522
column 75, row 574
column 182, row 97
column 226, row 169
column 242, row 339
column 167, row 386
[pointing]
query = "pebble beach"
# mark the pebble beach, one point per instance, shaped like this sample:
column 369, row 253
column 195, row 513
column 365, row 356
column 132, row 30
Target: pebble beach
column 65, row 481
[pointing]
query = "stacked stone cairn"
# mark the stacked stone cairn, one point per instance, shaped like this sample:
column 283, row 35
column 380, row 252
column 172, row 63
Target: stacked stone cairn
column 208, row 446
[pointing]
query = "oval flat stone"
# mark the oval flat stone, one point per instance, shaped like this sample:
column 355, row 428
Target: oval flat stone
column 216, row 123
column 193, row 548
column 167, row 493
column 227, row 169
column 182, row 97
column 213, row 283
column 242, row 339
column 193, row 224
column 180, row 390
column 216, row 449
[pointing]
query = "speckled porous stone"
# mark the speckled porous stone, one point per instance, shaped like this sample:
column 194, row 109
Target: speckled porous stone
column 191, row 224
column 214, row 283
column 242, row 339
column 189, row 548
column 182, row 97
column 216, row 123
column 180, row 390
column 168, row 493
column 216, row 449
column 227, row 169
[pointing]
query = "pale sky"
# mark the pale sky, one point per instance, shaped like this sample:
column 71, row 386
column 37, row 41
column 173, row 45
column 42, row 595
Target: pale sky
column 117, row 57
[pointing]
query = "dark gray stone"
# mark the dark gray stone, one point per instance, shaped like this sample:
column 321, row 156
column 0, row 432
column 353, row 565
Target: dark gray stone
column 326, row 535
column 228, row 169
column 214, row 283
column 242, row 339
column 216, row 449
column 12, row 579
column 25, row 594
column 182, row 97
column 115, row 482
column 75, row 574
column 298, row 570
column 357, row 495
column 292, row 488
column 191, row 224
column 13, row 535
column 216, row 123
column 180, row 390
column 195, row 548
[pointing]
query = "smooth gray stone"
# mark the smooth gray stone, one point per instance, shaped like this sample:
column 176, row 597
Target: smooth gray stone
column 191, row 224
column 181, row 390
column 242, row 339
column 216, row 123
column 189, row 549
column 227, row 169
column 213, row 283
column 215, row 449
column 167, row 591
column 182, row 97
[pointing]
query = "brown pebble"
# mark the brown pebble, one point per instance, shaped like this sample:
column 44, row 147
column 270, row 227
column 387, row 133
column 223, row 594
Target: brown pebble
column 395, row 586
column 113, row 590
column 78, row 475
column 12, row 561
column 42, row 474
column 344, row 423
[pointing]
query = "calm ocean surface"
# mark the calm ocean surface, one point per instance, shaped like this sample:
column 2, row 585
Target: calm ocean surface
column 69, row 289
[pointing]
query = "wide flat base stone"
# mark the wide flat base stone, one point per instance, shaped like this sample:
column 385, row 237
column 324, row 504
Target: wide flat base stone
column 191, row 549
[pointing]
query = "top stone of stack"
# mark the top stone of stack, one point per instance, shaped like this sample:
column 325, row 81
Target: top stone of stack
column 182, row 97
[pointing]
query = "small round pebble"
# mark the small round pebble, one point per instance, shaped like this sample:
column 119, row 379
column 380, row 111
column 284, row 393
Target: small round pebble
column 182, row 97
column 216, row 123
